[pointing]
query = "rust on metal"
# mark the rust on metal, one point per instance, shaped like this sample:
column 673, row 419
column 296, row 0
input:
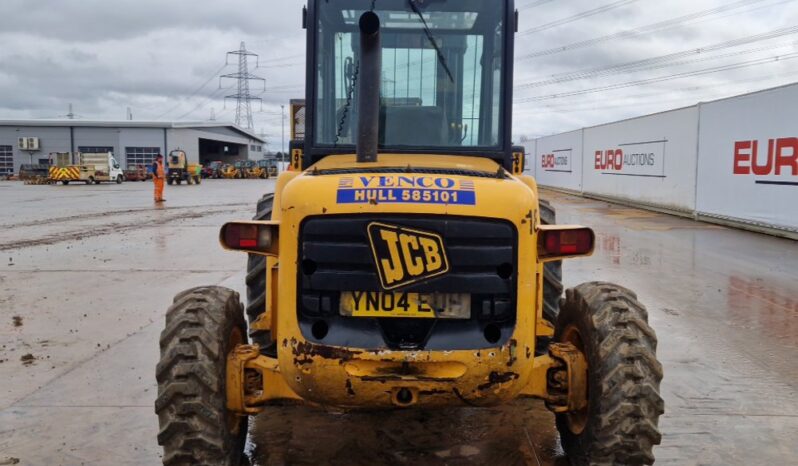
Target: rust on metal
column 497, row 378
column 304, row 352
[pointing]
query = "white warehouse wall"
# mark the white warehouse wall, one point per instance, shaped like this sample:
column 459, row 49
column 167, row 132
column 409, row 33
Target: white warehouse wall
column 648, row 160
column 558, row 161
column 748, row 169
column 731, row 161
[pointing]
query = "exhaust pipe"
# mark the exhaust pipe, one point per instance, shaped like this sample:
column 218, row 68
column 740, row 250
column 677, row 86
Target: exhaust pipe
column 368, row 105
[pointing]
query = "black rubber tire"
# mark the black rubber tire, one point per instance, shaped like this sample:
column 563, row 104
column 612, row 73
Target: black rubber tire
column 169, row 181
column 256, row 277
column 552, row 279
column 195, row 426
column 65, row 182
column 624, row 404
column 118, row 179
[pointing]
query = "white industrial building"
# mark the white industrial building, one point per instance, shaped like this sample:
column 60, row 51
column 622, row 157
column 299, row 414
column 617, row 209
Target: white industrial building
column 132, row 142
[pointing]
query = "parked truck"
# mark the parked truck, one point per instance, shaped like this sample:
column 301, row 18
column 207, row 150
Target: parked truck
column 90, row 168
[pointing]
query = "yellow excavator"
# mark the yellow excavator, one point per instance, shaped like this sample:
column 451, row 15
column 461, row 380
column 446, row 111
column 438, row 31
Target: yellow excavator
column 405, row 261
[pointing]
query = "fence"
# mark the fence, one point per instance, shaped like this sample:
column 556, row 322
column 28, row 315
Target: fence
column 731, row 161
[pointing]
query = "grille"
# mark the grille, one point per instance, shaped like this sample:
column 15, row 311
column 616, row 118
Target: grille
column 335, row 256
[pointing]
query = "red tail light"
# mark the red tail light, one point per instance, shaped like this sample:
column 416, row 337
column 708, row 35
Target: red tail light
column 559, row 242
column 254, row 237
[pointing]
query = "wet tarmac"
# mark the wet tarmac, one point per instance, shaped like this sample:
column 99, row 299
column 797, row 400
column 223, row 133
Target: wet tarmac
column 86, row 273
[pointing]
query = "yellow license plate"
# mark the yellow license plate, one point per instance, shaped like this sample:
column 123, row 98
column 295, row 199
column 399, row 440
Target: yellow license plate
column 400, row 304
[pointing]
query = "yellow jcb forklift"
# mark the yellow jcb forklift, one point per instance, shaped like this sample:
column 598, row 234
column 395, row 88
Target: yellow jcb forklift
column 405, row 261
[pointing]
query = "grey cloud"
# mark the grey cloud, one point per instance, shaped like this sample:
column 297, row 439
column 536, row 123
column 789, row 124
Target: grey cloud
column 103, row 56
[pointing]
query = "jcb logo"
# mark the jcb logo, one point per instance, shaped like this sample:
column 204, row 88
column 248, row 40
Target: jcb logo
column 404, row 256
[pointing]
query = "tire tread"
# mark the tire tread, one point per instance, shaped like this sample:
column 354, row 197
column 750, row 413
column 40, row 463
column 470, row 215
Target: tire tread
column 191, row 402
column 624, row 377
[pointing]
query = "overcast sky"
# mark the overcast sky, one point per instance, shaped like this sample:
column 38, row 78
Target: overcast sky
column 162, row 58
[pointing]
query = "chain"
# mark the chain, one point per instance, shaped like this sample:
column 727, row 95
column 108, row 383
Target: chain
column 349, row 96
column 350, row 92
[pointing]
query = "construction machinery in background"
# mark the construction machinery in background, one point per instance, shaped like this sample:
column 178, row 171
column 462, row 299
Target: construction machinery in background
column 229, row 171
column 405, row 260
column 34, row 173
column 245, row 169
column 254, row 171
column 269, row 167
column 139, row 173
column 179, row 170
column 213, row 170
column 89, row 168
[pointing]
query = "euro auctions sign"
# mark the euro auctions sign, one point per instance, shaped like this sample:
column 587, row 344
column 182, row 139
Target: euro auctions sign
column 748, row 159
column 644, row 159
column 774, row 161
column 557, row 161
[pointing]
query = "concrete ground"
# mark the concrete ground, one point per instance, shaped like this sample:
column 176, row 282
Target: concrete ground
column 86, row 273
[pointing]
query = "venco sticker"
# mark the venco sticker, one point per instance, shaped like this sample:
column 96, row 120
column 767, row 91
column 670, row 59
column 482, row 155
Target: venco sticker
column 646, row 159
column 405, row 189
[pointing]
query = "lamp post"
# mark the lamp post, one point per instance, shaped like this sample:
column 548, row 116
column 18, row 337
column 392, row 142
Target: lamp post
column 282, row 119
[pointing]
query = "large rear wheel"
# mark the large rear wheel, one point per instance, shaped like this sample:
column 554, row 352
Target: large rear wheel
column 256, row 277
column 619, row 425
column 202, row 327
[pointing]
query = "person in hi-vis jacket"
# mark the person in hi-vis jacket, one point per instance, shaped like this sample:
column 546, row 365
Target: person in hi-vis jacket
column 158, row 177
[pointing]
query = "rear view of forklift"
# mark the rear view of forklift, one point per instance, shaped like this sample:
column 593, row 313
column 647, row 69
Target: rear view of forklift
column 405, row 261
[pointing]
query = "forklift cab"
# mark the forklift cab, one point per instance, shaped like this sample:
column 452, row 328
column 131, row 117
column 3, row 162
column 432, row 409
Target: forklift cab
column 446, row 77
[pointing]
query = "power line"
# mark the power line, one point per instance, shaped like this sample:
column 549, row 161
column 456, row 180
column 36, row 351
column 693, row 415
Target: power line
column 733, row 66
column 214, row 95
column 193, row 93
column 535, row 3
column 655, row 95
column 654, row 27
column 283, row 65
column 667, row 60
column 601, row 101
column 578, row 16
